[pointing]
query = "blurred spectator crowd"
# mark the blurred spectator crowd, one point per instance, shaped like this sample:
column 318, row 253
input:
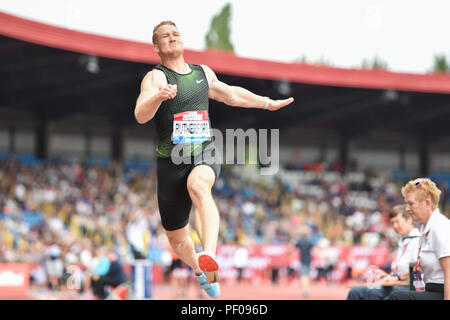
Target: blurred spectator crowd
column 60, row 213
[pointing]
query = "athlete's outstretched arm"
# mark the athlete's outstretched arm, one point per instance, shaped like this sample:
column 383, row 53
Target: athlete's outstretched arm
column 154, row 90
column 238, row 96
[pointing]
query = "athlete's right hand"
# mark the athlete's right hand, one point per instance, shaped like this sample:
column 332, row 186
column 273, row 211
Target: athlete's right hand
column 168, row 92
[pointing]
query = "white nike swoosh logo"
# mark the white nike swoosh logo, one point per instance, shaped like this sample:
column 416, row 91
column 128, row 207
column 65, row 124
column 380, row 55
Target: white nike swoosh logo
column 199, row 81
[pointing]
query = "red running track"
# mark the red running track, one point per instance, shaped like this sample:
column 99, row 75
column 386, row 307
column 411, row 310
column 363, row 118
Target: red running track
column 257, row 292
column 229, row 291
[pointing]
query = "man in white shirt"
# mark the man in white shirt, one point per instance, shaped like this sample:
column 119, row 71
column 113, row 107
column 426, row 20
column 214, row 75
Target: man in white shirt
column 433, row 265
column 241, row 261
column 54, row 266
column 398, row 279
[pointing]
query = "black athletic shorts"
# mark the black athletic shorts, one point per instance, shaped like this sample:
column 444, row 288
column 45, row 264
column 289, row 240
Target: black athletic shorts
column 173, row 197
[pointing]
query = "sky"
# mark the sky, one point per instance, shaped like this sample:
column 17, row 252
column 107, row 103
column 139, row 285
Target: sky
column 406, row 34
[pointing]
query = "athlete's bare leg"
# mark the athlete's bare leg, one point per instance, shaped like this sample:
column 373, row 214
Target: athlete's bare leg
column 199, row 183
column 183, row 245
column 198, row 227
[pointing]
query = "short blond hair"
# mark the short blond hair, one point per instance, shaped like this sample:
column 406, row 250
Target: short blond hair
column 155, row 29
column 424, row 188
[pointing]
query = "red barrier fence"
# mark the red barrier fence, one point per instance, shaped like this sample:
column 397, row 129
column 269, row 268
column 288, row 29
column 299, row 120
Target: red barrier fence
column 14, row 280
column 263, row 258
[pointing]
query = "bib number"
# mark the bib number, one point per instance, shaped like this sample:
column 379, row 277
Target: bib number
column 191, row 127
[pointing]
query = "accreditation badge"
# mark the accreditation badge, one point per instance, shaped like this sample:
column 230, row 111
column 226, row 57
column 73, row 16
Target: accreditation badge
column 418, row 283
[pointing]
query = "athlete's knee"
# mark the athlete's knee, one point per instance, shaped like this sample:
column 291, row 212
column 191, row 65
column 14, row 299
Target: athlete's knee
column 177, row 242
column 198, row 188
column 177, row 239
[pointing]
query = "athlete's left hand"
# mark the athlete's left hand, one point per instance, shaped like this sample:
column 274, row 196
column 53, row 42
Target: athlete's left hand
column 278, row 104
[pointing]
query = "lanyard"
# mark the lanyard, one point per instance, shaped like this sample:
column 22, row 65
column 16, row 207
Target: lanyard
column 418, row 265
column 397, row 259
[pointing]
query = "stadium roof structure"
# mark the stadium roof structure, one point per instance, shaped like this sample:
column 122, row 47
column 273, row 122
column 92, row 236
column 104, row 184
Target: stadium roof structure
column 53, row 72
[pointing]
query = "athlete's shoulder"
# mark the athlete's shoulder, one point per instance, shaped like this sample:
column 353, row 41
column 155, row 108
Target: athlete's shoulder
column 158, row 70
column 210, row 75
column 155, row 76
column 206, row 68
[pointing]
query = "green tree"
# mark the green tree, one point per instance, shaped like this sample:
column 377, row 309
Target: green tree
column 218, row 36
column 441, row 64
column 323, row 61
column 301, row 59
column 376, row 63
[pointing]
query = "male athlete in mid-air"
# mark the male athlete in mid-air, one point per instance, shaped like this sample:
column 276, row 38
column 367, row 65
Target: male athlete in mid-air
column 176, row 94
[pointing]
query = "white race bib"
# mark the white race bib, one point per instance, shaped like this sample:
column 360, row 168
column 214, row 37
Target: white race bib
column 191, row 127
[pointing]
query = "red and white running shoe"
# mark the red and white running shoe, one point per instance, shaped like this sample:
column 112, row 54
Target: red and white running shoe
column 209, row 265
